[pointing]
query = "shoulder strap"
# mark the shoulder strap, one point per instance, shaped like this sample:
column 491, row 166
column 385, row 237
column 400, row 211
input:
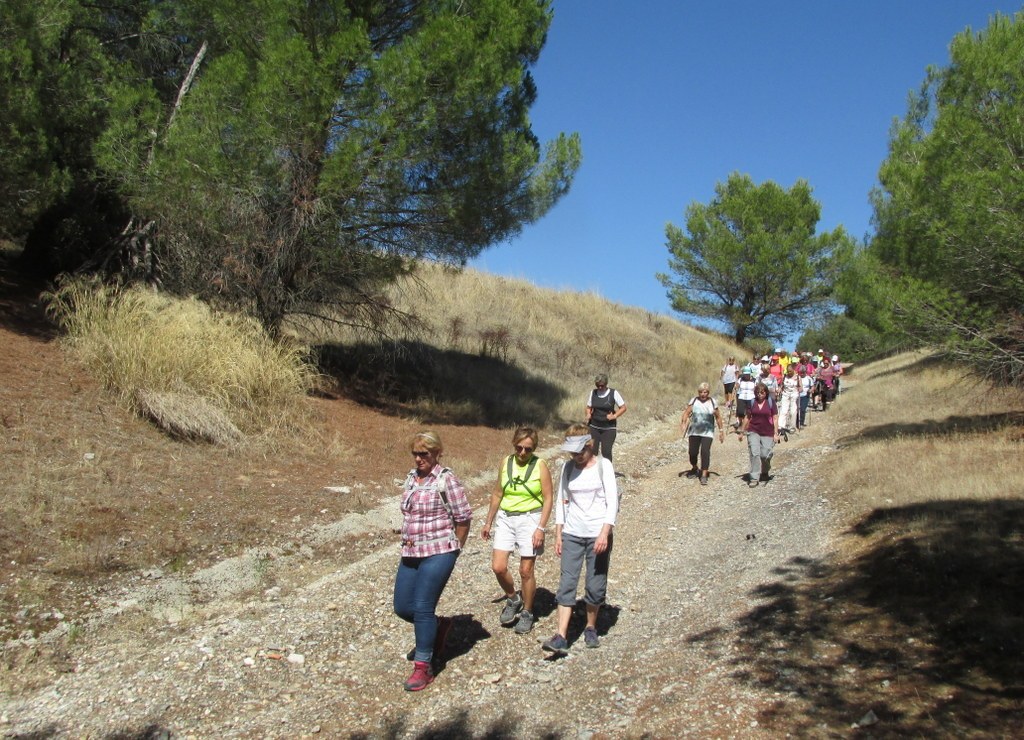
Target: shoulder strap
column 442, row 491
column 526, row 476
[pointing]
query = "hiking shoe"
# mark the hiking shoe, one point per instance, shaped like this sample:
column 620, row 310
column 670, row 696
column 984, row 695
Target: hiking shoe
column 590, row 638
column 421, row 676
column 692, row 473
column 444, row 626
column 510, row 612
column 557, row 645
column 704, row 480
column 751, row 483
column 525, row 623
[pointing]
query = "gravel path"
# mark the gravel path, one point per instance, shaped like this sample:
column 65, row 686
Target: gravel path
column 285, row 643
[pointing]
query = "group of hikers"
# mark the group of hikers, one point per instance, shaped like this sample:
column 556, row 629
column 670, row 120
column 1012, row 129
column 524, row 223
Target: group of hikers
column 767, row 396
column 436, row 520
column 770, row 396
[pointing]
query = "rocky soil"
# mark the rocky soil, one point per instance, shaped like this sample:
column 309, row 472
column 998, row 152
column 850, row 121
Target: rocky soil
column 300, row 640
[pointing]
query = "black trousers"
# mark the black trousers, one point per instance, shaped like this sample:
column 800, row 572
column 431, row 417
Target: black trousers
column 703, row 446
column 603, row 441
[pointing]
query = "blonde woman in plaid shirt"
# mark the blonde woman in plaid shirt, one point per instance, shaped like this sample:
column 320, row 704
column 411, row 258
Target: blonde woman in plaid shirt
column 435, row 523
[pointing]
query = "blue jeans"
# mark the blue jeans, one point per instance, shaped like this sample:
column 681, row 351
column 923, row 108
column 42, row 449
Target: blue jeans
column 418, row 588
column 804, row 402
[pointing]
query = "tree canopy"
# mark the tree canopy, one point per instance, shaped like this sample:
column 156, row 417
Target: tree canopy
column 290, row 157
column 751, row 258
column 950, row 208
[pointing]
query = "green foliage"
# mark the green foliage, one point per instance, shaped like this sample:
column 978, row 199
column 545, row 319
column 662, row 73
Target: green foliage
column 289, row 157
column 323, row 145
column 852, row 340
column 51, row 105
column 949, row 210
column 752, row 259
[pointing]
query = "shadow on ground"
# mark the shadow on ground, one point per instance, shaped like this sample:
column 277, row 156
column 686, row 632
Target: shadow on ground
column 439, row 386
column 459, row 726
column 931, row 427
column 915, row 368
column 924, row 628
column 21, row 308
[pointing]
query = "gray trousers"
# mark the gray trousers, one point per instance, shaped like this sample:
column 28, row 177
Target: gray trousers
column 576, row 550
column 761, row 449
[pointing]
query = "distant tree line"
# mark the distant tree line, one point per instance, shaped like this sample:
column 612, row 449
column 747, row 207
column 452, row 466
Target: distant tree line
column 284, row 158
column 945, row 265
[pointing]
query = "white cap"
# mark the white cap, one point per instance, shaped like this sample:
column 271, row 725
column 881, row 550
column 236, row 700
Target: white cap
column 575, row 444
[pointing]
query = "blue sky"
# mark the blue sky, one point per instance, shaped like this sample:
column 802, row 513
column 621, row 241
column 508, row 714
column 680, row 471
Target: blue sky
column 670, row 96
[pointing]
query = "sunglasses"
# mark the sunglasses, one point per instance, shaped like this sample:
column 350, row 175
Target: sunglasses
column 421, row 453
column 522, row 449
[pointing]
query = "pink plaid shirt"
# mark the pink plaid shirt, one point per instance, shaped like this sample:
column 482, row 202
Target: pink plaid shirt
column 427, row 529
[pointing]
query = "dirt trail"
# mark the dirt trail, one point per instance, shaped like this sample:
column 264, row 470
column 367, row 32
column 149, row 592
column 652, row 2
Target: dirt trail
column 285, row 642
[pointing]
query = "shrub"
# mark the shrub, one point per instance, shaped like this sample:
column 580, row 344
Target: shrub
column 139, row 342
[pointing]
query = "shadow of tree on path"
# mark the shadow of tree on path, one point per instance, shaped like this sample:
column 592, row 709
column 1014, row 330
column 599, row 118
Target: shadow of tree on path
column 931, row 427
column 440, row 386
column 459, row 726
column 924, row 628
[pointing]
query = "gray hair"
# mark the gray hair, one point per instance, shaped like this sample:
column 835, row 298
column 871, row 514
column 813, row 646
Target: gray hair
column 601, row 378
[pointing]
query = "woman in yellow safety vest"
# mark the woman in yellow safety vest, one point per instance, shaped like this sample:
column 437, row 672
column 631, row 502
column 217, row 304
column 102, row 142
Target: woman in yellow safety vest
column 518, row 513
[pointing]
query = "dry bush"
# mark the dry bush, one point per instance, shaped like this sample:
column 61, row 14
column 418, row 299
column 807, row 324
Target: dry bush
column 187, row 417
column 141, row 344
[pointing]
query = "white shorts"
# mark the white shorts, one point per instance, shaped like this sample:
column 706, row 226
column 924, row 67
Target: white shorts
column 512, row 530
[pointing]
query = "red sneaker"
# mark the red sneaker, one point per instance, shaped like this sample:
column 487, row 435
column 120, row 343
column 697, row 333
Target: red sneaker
column 421, row 676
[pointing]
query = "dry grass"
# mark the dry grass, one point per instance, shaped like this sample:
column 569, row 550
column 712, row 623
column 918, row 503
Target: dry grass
column 926, row 432
column 187, row 416
column 919, row 619
column 504, row 351
column 144, row 347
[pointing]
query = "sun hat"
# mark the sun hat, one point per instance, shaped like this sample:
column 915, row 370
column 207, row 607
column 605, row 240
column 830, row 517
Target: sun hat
column 575, row 444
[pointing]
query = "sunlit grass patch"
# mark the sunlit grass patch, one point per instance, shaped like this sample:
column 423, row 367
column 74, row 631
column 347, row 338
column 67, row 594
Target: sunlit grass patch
column 144, row 345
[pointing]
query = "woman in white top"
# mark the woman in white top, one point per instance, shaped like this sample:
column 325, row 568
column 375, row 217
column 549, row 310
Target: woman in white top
column 806, row 383
column 745, row 392
column 585, row 510
column 788, row 400
column 730, row 374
